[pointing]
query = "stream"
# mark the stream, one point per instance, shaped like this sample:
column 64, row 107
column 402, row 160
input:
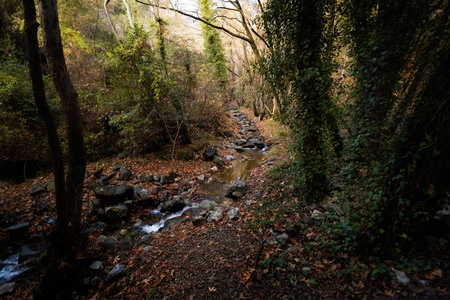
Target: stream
column 249, row 151
column 237, row 167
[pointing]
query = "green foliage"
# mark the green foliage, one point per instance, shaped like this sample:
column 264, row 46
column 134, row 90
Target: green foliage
column 21, row 128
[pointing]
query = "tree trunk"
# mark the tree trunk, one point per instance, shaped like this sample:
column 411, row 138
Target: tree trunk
column 31, row 29
column 69, row 101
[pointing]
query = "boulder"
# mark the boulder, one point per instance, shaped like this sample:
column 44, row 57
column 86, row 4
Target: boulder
column 124, row 174
column 237, row 190
column 37, row 189
column 209, row 153
column 111, row 194
column 172, row 206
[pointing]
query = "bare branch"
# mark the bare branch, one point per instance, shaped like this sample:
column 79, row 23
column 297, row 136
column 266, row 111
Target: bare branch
column 199, row 19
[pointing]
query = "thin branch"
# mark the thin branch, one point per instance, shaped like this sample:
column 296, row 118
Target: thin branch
column 198, row 19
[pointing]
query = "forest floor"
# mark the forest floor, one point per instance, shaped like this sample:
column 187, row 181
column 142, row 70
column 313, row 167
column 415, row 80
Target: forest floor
column 226, row 259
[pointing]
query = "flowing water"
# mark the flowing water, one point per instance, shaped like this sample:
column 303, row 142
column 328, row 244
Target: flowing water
column 10, row 268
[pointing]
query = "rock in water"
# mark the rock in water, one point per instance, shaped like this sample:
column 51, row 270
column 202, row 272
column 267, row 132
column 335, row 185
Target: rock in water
column 237, row 190
column 209, row 153
column 172, row 206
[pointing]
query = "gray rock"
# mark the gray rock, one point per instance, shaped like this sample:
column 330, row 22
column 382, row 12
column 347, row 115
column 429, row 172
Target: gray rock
column 149, row 178
column 234, row 214
column 229, row 158
column 237, row 190
column 96, row 203
column 201, row 177
column 128, row 203
column 116, row 213
column 209, row 153
column 124, row 174
column 317, row 215
column 37, row 189
column 116, row 272
column 27, row 252
column 172, row 206
column 7, row 288
column 105, row 179
column 92, row 282
column 107, row 241
column 144, row 194
column 163, row 179
column 218, row 160
column 214, row 168
column 116, row 167
column 51, row 185
column 126, row 243
column 215, row 216
column 156, row 177
column 292, row 250
column 208, row 204
column 96, row 266
column 402, row 278
column 18, row 228
column 114, row 194
column 155, row 190
column 241, row 142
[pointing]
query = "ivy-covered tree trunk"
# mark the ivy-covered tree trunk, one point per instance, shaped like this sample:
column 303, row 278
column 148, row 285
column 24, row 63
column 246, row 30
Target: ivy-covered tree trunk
column 215, row 54
column 295, row 30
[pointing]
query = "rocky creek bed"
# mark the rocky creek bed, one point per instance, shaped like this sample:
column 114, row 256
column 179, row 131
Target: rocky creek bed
column 126, row 216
